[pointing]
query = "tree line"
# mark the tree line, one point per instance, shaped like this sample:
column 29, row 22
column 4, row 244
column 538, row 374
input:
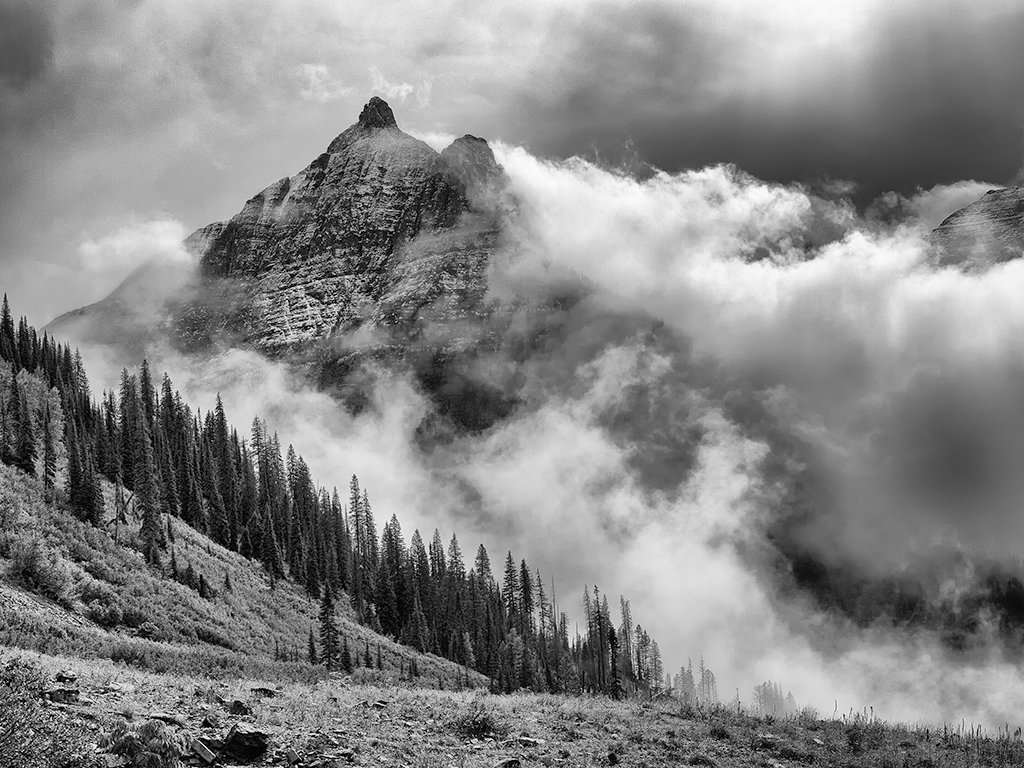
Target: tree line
column 160, row 460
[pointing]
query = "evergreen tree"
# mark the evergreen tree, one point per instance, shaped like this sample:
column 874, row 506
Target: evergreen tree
column 328, row 631
column 8, row 344
column 49, row 456
column 24, row 437
column 312, row 657
column 346, row 656
column 511, row 591
column 615, row 691
column 147, row 490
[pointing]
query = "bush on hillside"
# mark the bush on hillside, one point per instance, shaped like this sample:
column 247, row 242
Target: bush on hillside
column 40, row 570
column 148, row 745
column 213, row 637
column 477, row 721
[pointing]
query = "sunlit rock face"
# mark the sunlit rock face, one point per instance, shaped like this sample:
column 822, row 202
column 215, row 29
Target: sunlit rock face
column 379, row 232
column 379, row 248
column 986, row 232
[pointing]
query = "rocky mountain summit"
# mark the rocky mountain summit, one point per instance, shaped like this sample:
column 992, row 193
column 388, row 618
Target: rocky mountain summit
column 379, row 247
column 988, row 231
column 374, row 232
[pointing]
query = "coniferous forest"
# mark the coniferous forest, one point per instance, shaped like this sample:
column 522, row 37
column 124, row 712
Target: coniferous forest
column 250, row 494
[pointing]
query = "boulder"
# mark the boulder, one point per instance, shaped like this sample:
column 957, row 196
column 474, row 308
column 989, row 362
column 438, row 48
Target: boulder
column 203, row 752
column 245, row 743
column 239, row 707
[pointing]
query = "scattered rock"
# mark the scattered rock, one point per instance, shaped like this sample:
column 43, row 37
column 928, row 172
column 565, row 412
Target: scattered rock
column 64, row 676
column 61, row 695
column 528, row 741
column 292, row 757
column 239, row 707
column 333, row 759
column 508, row 762
column 78, row 711
column 701, row 759
column 169, row 718
column 380, row 704
column 214, row 745
column 118, row 688
column 763, row 741
column 202, row 751
column 245, row 743
column 266, row 693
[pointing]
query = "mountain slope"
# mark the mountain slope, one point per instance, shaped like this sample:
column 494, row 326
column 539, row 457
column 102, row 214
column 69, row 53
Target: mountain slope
column 72, row 588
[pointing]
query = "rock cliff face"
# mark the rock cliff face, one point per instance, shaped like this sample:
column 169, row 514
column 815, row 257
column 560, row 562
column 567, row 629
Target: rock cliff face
column 986, row 232
column 378, row 248
column 379, row 231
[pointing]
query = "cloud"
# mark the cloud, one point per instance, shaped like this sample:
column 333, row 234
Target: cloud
column 128, row 247
column 400, row 92
column 144, row 104
column 878, row 388
column 319, row 85
column 26, row 43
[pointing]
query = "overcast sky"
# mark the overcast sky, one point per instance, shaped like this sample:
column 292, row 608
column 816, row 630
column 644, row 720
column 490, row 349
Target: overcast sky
column 114, row 112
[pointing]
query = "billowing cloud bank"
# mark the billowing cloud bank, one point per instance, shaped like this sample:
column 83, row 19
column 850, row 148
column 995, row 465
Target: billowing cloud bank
column 109, row 108
column 768, row 415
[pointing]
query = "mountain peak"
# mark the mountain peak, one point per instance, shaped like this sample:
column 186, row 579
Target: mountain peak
column 377, row 114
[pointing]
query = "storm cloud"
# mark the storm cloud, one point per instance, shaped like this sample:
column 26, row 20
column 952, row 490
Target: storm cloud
column 141, row 110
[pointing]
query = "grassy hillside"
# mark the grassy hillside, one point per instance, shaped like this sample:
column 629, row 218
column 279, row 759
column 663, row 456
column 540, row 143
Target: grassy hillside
column 68, row 587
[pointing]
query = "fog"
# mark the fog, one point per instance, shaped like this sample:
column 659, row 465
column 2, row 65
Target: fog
column 737, row 340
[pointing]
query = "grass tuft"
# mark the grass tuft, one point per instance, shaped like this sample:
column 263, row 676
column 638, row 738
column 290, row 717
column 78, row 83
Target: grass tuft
column 476, row 720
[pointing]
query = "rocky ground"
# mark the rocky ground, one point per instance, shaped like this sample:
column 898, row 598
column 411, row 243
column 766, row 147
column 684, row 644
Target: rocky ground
column 345, row 721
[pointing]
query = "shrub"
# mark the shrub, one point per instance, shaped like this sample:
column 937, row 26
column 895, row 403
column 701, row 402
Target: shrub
column 213, row 637
column 79, row 551
column 95, row 591
column 149, row 745
column 108, row 616
column 720, row 732
column 476, row 721
column 30, row 736
column 40, row 570
column 134, row 618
